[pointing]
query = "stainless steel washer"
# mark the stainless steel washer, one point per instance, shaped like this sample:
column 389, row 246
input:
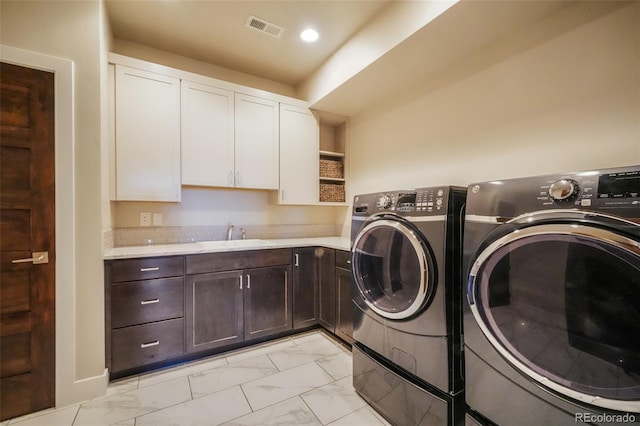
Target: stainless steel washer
column 552, row 317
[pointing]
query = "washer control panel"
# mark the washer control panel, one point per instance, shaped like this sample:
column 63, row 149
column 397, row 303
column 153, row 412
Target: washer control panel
column 616, row 190
column 587, row 189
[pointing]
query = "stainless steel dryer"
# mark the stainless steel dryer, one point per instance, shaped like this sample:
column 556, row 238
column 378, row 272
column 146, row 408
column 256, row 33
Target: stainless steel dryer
column 552, row 323
column 406, row 263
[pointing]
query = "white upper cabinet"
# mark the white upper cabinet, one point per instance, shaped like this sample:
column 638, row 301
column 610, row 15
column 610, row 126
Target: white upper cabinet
column 207, row 135
column 256, row 142
column 298, row 156
column 147, row 136
column 171, row 128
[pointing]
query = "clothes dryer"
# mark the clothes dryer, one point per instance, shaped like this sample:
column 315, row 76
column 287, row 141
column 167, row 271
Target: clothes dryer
column 406, row 263
column 552, row 319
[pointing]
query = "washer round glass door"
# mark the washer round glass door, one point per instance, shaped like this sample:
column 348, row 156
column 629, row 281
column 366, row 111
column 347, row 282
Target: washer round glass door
column 561, row 303
column 392, row 268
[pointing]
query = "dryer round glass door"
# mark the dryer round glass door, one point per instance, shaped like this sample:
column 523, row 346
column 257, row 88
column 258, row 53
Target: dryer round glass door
column 561, row 302
column 393, row 269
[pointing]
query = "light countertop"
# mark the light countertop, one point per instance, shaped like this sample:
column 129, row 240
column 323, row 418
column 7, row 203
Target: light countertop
column 340, row 243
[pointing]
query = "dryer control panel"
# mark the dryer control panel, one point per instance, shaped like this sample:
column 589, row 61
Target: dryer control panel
column 414, row 202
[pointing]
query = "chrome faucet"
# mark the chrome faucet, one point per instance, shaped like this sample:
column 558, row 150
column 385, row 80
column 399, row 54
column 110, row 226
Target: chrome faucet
column 230, row 232
column 244, row 233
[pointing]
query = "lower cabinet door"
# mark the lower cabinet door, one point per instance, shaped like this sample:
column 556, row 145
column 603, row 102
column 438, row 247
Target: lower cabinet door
column 327, row 289
column 214, row 310
column 344, row 305
column 267, row 301
column 146, row 344
column 305, row 288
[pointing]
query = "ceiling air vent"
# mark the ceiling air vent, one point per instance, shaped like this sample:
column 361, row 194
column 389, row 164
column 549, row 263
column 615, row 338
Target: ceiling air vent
column 263, row 26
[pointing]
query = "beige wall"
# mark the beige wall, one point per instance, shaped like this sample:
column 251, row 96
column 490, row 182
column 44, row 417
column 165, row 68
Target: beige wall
column 205, row 207
column 568, row 103
column 70, row 30
column 149, row 54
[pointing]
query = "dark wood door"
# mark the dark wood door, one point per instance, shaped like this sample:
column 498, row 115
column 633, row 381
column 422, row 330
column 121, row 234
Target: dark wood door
column 327, row 289
column 27, row 225
column 305, row 288
column 267, row 301
column 214, row 310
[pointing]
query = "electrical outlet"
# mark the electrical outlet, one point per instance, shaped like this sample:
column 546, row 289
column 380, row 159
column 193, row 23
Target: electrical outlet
column 145, row 219
column 157, row 219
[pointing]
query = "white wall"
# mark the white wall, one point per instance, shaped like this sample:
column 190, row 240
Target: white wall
column 71, row 31
column 568, row 103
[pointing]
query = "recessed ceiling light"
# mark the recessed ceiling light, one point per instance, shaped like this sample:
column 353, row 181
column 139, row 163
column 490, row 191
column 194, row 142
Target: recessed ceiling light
column 309, row 35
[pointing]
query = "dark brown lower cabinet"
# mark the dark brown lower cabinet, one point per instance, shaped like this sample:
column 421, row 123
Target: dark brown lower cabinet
column 147, row 343
column 327, row 289
column 174, row 307
column 214, row 310
column 234, row 306
column 344, row 305
column 267, row 301
column 144, row 302
column 336, row 308
column 305, row 287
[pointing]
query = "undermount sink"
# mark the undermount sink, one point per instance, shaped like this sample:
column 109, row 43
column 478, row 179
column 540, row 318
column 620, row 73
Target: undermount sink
column 222, row 244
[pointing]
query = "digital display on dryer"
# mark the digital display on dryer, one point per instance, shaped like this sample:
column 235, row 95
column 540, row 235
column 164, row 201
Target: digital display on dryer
column 619, row 185
column 406, row 201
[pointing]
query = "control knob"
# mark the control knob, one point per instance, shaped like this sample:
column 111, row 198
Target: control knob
column 384, row 202
column 564, row 190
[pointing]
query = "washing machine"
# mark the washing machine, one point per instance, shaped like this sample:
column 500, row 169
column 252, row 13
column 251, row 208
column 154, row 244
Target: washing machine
column 406, row 264
column 552, row 312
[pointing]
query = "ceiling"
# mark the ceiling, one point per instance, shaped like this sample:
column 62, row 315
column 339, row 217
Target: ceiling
column 215, row 31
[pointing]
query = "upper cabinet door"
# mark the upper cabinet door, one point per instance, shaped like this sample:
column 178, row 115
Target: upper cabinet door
column 298, row 156
column 147, row 112
column 257, row 141
column 207, row 135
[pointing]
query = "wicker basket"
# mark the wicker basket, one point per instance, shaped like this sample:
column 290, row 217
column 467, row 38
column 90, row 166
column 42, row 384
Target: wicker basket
column 331, row 169
column 330, row 192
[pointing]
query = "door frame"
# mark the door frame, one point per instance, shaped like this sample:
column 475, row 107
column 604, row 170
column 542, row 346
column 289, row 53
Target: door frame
column 68, row 389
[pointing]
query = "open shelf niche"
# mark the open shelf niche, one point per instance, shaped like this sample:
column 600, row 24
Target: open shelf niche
column 333, row 143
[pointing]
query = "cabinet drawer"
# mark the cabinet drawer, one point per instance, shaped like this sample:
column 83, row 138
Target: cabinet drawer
column 146, row 344
column 146, row 268
column 139, row 302
column 237, row 260
column 343, row 259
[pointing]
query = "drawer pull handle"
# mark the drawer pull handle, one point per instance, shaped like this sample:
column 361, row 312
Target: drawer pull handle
column 149, row 302
column 154, row 268
column 149, row 344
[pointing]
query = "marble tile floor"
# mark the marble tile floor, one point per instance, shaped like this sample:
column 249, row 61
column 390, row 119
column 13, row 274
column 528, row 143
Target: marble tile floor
column 303, row 379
